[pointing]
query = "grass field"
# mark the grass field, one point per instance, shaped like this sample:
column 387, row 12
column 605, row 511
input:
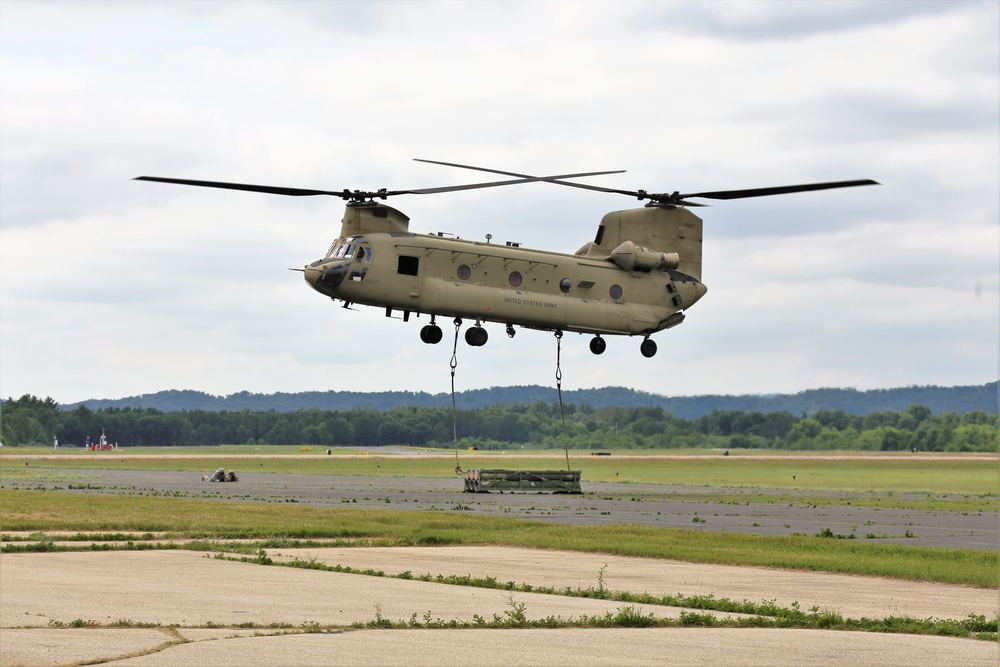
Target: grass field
column 972, row 478
column 188, row 519
column 967, row 474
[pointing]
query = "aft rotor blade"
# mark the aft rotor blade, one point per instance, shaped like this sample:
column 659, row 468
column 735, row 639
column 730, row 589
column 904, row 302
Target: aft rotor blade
column 546, row 179
column 524, row 179
column 780, row 190
column 677, row 198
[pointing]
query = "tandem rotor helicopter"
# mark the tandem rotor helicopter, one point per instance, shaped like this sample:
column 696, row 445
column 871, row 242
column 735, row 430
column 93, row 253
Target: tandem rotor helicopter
column 638, row 276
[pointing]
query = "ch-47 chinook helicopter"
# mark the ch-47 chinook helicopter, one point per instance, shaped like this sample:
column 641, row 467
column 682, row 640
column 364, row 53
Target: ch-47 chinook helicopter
column 638, row 276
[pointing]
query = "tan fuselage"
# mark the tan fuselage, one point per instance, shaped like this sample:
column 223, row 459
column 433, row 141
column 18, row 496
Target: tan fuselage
column 377, row 261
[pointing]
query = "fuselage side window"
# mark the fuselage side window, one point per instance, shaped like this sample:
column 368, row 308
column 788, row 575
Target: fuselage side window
column 408, row 265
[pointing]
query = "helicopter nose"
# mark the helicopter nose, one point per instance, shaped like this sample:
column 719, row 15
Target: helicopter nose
column 325, row 275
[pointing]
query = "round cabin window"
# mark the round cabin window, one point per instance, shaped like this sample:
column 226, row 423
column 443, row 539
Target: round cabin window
column 565, row 285
column 464, row 272
column 615, row 292
column 514, row 278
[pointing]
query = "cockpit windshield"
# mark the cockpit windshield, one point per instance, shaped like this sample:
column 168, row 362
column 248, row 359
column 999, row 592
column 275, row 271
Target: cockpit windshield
column 346, row 248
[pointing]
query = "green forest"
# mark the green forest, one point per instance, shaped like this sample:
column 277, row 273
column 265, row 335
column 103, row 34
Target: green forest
column 938, row 399
column 31, row 420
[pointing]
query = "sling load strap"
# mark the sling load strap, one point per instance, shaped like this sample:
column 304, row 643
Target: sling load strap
column 562, row 411
column 454, row 411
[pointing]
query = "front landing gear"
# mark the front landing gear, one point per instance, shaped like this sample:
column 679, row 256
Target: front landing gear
column 648, row 348
column 431, row 333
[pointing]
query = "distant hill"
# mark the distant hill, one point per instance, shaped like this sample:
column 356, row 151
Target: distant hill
column 938, row 399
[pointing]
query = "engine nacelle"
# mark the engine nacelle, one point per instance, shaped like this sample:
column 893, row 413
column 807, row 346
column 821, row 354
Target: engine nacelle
column 631, row 257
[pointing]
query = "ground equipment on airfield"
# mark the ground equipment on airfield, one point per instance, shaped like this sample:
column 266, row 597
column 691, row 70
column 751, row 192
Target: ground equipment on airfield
column 101, row 445
column 220, row 475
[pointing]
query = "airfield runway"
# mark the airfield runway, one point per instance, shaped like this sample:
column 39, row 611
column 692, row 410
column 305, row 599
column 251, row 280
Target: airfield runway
column 160, row 608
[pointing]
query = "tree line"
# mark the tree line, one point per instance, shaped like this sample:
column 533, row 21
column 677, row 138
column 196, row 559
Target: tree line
column 939, row 399
column 31, row 420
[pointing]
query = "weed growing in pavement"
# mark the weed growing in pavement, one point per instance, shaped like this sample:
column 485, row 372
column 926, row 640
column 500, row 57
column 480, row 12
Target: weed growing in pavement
column 515, row 616
column 601, row 590
column 380, row 621
column 631, row 616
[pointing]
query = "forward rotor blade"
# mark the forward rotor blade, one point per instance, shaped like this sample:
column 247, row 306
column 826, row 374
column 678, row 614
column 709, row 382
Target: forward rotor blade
column 780, row 190
column 348, row 194
column 267, row 189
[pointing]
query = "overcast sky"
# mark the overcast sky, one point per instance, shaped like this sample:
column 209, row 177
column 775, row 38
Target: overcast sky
column 111, row 287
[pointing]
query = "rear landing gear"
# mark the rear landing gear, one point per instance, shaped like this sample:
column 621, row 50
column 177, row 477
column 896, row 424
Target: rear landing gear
column 648, row 348
column 598, row 345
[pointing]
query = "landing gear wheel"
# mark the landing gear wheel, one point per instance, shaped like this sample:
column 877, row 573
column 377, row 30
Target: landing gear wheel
column 476, row 336
column 648, row 348
column 431, row 334
column 598, row 345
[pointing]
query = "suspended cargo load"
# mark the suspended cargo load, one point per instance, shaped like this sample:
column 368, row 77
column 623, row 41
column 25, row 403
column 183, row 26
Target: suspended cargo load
column 551, row 481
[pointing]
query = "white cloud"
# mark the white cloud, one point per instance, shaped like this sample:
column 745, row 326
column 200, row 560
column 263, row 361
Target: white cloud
column 110, row 287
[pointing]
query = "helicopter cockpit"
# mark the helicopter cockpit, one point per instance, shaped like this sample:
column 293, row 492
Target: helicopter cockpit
column 354, row 247
column 355, row 255
column 348, row 248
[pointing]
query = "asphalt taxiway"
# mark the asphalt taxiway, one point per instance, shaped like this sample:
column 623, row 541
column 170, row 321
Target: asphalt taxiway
column 767, row 512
